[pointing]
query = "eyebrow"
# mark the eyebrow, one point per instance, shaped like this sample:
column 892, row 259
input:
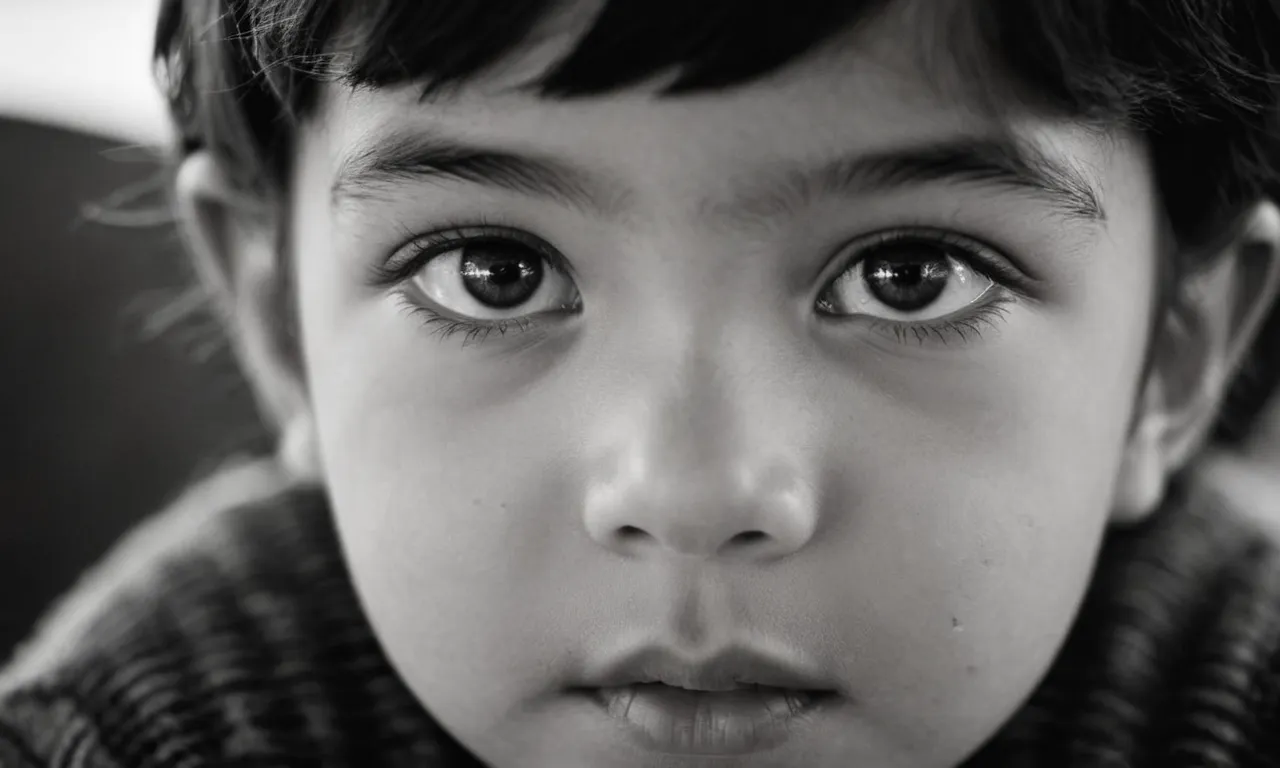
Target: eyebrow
column 427, row 156
column 999, row 162
column 1002, row 162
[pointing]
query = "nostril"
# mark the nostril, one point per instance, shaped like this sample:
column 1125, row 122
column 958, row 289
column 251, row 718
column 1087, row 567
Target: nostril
column 749, row 537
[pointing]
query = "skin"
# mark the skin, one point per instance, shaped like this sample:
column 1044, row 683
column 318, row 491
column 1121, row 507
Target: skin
column 928, row 510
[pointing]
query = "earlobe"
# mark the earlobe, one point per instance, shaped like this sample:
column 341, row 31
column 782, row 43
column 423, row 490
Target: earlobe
column 1144, row 465
column 1161, row 440
column 1141, row 482
column 298, row 451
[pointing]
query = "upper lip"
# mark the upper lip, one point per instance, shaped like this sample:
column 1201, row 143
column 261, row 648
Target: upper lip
column 730, row 669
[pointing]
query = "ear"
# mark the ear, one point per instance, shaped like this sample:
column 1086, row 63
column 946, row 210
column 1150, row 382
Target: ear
column 234, row 239
column 1199, row 344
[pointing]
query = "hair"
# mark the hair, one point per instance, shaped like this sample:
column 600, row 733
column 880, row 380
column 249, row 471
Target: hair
column 1195, row 77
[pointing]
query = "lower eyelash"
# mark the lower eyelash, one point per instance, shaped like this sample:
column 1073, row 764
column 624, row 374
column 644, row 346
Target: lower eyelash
column 945, row 331
column 473, row 331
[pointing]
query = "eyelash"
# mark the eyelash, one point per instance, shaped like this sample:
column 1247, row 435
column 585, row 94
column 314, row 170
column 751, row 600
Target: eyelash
column 423, row 248
column 1011, row 285
column 946, row 329
column 473, row 331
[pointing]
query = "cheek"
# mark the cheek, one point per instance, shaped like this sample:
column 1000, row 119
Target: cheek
column 445, row 518
column 437, row 504
column 976, row 502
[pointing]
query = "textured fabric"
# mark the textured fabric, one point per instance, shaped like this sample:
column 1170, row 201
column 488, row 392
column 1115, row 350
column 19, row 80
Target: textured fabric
column 226, row 633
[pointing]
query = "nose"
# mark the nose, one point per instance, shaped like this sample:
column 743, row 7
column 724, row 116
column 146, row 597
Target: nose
column 686, row 477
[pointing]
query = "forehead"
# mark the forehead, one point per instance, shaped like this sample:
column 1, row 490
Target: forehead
column 886, row 84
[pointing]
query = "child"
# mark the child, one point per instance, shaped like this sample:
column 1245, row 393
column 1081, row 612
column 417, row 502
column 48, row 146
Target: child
column 705, row 384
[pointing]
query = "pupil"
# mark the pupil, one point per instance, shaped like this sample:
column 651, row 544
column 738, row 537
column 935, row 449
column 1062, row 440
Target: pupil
column 500, row 274
column 907, row 277
column 505, row 273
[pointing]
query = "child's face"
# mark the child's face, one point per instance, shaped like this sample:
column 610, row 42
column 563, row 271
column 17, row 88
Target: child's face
column 700, row 435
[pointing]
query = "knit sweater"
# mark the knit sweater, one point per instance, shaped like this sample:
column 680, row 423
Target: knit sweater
column 226, row 633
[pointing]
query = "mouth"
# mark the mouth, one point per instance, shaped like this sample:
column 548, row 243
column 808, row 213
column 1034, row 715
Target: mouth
column 735, row 703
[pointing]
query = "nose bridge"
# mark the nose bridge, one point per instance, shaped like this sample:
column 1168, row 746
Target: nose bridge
column 689, row 474
column 690, row 425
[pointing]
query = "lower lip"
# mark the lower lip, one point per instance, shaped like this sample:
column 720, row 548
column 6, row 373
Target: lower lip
column 672, row 720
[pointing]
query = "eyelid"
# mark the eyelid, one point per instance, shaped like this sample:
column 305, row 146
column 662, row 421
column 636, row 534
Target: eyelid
column 992, row 260
column 408, row 257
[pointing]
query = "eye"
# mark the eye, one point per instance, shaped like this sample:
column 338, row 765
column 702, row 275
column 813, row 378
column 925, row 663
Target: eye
column 909, row 277
column 494, row 278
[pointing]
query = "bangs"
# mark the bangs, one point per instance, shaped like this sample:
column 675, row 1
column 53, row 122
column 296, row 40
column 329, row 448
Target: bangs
column 444, row 43
column 1109, row 62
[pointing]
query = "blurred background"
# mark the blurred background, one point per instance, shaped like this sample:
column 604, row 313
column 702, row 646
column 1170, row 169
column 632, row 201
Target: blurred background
column 112, row 397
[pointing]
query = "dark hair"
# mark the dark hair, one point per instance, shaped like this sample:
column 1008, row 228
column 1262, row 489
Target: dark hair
column 1194, row 76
